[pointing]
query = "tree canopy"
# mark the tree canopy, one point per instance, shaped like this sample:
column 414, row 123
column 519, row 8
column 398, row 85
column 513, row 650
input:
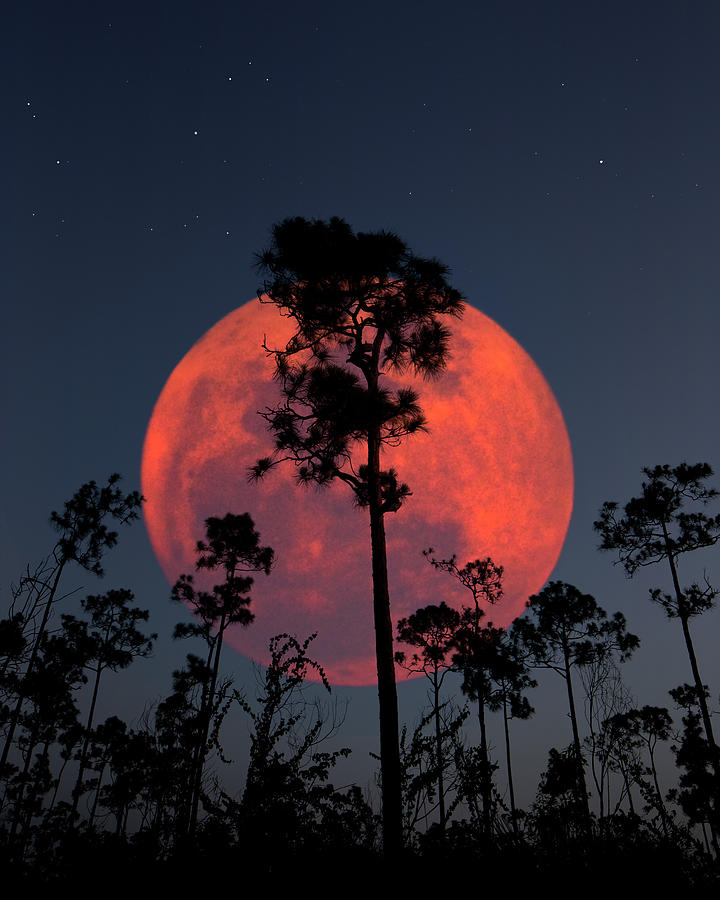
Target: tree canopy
column 364, row 307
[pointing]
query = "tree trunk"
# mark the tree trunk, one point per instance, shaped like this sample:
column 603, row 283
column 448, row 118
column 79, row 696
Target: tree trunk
column 57, row 784
column 119, row 814
column 658, row 792
column 387, row 691
column 705, row 838
column 705, row 712
column 511, row 786
column 438, row 744
column 77, row 790
column 485, row 779
column 31, row 665
column 207, row 718
column 196, row 760
column 628, row 788
column 31, row 812
column 699, row 688
column 17, row 812
column 683, row 616
column 96, row 798
column 581, row 785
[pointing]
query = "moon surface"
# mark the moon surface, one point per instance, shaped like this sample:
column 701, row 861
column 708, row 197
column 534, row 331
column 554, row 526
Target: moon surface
column 493, row 477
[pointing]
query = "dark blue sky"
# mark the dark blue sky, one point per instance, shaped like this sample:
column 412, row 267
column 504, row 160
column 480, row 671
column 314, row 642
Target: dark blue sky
column 561, row 158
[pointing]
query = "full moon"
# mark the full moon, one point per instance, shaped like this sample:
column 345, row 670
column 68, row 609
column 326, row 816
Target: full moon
column 492, row 477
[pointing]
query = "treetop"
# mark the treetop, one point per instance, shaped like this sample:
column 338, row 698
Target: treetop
column 84, row 536
column 338, row 285
column 655, row 524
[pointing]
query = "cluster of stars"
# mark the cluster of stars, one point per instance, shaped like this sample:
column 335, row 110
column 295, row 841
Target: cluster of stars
column 186, row 225
column 235, row 78
column 230, row 78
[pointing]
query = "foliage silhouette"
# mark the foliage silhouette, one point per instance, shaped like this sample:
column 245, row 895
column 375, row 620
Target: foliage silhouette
column 662, row 524
column 566, row 629
column 694, row 754
column 643, row 728
column 476, row 651
column 510, row 678
column 432, row 629
column 561, row 814
column 109, row 641
column 364, row 307
column 232, row 546
column 289, row 819
column 288, row 801
column 49, row 710
column 605, row 697
column 420, row 769
column 84, row 536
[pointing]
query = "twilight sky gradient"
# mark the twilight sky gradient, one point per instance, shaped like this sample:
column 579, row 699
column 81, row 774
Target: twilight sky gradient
column 561, row 158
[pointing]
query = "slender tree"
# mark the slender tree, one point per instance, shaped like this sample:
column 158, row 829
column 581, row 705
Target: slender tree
column 132, row 759
column 479, row 656
column 510, row 677
column 419, row 766
column 565, row 629
column 694, row 755
column 106, row 738
column 432, row 630
column 49, row 709
column 477, row 649
column 605, row 696
column 481, row 577
column 363, row 307
column 112, row 641
column 559, row 814
column 177, row 726
column 232, row 546
column 84, row 536
column 643, row 728
column 662, row 524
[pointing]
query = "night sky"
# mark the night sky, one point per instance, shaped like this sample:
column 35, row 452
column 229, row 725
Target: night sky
column 561, row 158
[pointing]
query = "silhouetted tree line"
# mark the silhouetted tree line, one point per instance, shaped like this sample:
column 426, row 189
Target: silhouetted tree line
column 77, row 793
column 82, row 799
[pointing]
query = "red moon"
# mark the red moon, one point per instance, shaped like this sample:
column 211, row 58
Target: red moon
column 493, row 477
